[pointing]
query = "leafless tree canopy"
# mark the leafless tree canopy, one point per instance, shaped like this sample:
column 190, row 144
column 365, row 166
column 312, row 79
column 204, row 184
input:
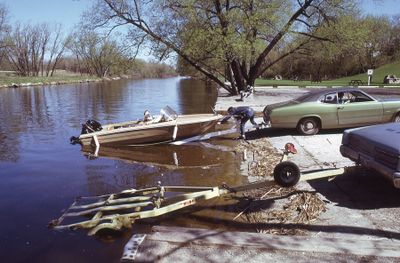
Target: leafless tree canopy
column 34, row 50
column 97, row 54
column 4, row 27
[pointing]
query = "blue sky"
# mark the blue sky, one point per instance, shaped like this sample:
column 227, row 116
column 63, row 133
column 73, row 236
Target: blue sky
column 67, row 12
column 381, row 7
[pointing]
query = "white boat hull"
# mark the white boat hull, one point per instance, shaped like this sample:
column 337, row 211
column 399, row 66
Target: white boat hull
column 131, row 133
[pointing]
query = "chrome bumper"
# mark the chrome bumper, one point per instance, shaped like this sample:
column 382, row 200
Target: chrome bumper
column 369, row 162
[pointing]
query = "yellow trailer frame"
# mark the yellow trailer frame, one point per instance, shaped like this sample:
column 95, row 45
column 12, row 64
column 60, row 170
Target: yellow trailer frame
column 117, row 210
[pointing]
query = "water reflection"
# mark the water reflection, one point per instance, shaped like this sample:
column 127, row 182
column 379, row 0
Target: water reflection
column 21, row 110
column 196, row 164
column 191, row 92
column 42, row 113
column 38, row 165
column 171, row 157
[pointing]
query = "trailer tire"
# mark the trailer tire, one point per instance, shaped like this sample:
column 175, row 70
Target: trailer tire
column 286, row 174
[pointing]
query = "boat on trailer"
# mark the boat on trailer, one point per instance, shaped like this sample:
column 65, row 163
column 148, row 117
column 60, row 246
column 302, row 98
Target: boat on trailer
column 165, row 128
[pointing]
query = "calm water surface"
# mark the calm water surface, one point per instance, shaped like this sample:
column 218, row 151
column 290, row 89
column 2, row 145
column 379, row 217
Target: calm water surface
column 41, row 173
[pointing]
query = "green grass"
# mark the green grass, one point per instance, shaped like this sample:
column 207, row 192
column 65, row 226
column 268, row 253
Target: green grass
column 9, row 78
column 379, row 74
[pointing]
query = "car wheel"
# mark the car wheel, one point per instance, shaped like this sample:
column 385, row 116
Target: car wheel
column 286, row 174
column 397, row 118
column 308, row 126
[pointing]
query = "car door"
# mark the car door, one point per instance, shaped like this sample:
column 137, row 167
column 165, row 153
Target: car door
column 328, row 110
column 357, row 108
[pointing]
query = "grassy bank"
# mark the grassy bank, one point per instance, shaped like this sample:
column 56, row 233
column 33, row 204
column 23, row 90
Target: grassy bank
column 8, row 78
column 377, row 80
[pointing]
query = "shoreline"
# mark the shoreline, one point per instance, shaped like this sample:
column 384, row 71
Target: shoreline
column 74, row 81
column 58, row 82
column 221, row 92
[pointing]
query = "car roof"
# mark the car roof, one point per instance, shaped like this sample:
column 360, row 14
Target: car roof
column 314, row 95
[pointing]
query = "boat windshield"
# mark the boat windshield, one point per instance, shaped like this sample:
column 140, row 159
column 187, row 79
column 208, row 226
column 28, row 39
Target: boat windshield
column 168, row 113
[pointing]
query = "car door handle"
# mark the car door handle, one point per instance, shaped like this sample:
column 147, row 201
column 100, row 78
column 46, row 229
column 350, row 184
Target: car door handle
column 340, row 108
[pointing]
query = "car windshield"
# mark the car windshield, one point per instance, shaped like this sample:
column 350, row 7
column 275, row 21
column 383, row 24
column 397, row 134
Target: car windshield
column 168, row 113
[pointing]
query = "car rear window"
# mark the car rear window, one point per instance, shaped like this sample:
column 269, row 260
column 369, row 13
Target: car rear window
column 306, row 97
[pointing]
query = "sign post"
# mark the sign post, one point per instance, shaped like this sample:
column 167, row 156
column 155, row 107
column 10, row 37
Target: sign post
column 370, row 72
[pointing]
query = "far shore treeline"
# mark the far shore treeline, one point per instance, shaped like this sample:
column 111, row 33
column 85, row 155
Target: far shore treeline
column 231, row 43
column 36, row 52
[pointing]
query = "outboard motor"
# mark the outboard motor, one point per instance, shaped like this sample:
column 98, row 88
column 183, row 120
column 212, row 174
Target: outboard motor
column 88, row 127
column 74, row 140
column 91, row 126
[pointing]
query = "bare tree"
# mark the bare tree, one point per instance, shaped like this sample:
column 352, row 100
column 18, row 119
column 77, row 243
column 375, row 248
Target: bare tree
column 28, row 50
column 98, row 54
column 57, row 49
column 3, row 22
column 17, row 50
column 4, row 27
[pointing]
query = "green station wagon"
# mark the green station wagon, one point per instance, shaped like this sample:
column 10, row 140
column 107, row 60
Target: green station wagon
column 331, row 109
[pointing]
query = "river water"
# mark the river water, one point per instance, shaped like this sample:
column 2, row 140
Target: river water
column 41, row 173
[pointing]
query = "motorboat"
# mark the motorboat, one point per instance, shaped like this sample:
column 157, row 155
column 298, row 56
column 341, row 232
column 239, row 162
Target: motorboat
column 164, row 128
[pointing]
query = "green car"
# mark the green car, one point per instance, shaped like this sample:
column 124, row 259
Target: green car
column 331, row 109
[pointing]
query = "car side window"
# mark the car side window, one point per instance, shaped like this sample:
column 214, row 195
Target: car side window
column 344, row 97
column 330, row 98
column 357, row 96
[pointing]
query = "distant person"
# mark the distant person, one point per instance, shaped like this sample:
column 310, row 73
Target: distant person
column 243, row 114
column 147, row 116
column 246, row 92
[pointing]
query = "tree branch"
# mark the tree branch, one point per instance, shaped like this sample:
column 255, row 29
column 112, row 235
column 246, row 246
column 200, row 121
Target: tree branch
column 255, row 69
column 264, row 68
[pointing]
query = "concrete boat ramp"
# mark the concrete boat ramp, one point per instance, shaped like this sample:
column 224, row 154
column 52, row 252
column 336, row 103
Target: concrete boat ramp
column 172, row 244
column 341, row 234
column 261, row 97
column 360, row 223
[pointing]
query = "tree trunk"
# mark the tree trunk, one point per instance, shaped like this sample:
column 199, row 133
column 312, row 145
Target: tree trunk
column 251, row 82
column 239, row 78
column 231, row 78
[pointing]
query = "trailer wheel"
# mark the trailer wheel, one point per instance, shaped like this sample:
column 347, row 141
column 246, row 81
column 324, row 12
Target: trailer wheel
column 286, row 174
